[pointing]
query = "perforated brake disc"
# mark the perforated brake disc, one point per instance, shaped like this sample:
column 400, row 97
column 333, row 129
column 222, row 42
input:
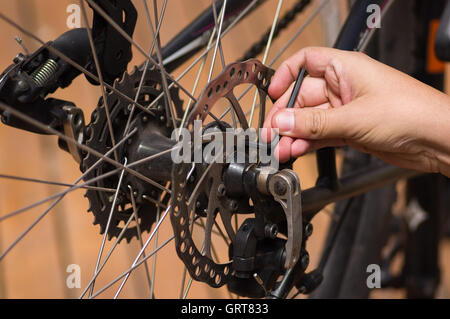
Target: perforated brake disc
column 197, row 188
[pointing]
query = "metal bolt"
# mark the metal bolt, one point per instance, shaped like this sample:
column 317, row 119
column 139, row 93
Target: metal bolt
column 280, row 188
column 221, row 191
column 19, row 58
column 234, row 205
column 271, row 230
column 23, row 86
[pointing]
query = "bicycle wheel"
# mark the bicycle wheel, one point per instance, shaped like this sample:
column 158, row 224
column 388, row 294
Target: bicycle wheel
column 123, row 151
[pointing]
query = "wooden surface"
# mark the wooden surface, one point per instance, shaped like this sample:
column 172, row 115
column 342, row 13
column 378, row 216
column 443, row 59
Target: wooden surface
column 36, row 267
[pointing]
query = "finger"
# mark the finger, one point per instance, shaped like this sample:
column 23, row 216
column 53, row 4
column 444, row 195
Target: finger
column 316, row 123
column 300, row 147
column 313, row 92
column 314, row 59
column 283, row 149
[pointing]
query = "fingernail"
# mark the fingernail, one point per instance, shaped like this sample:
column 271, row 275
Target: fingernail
column 285, row 121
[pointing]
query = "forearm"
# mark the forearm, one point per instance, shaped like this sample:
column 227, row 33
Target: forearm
column 438, row 135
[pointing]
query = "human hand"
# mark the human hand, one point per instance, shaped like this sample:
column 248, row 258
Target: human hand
column 350, row 99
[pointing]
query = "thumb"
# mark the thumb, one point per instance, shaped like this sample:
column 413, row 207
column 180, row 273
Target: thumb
column 313, row 123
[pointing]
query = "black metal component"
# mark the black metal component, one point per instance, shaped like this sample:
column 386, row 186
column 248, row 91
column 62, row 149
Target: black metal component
column 48, row 112
column 355, row 24
column 152, row 138
column 25, row 84
column 421, row 267
column 326, row 166
column 233, row 178
column 291, row 276
column 252, row 254
column 310, row 281
column 112, row 49
column 314, row 199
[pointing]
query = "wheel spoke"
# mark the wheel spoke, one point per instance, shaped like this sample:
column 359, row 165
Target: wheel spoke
column 72, row 63
column 142, row 250
column 147, row 62
column 100, row 77
column 40, row 181
column 75, row 186
column 207, row 49
column 117, row 241
column 108, row 223
column 167, row 97
column 219, row 31
column 266, row 53
column 80, row 145
column 59, row 198
column 128, row 271
column 280, row 53
column 197, row 78
column 138, row 229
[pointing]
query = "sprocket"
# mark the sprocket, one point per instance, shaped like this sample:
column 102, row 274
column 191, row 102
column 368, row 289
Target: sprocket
column 98, row 138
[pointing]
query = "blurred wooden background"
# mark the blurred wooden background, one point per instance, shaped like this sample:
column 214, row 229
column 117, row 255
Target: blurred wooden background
column 36, row 267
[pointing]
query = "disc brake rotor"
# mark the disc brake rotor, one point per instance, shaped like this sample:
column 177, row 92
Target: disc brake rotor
column 198, row 188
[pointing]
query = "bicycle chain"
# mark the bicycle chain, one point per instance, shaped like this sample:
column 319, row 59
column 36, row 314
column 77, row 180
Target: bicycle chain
column 284, row 22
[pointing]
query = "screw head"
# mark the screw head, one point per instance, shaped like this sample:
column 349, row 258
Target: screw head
column 234, row 205
column 221, row 190
column 271, row 230
column 22, row 86
column 280, row 188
